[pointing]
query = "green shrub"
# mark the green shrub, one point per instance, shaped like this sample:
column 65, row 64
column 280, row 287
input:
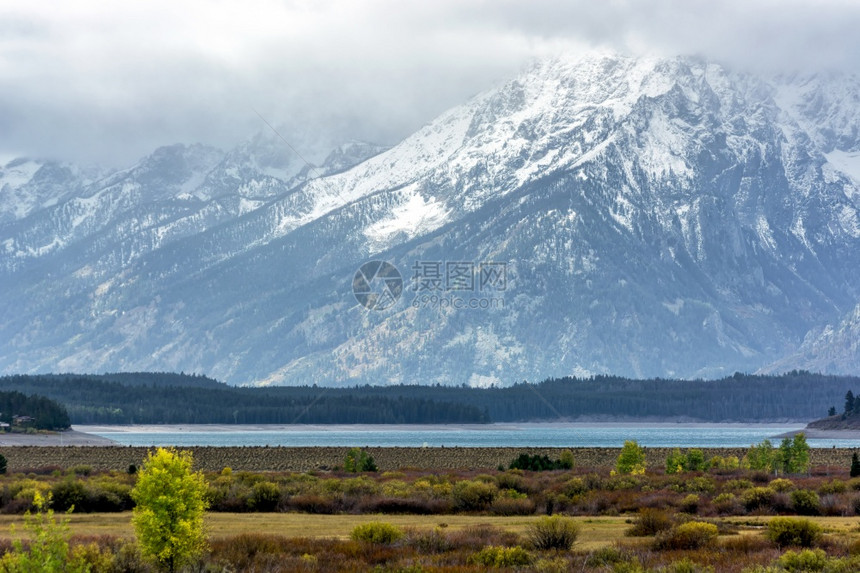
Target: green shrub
column 69, row 493
column 806, row 560
column 495, row 556
column 757, row 498
column 650, row 522
column 566, row 460
column 551, row 565
column 48, row 549
column 761, row 457
column 511, row 480
column 675, row 462
column 109, row 495
column 792, row 531
column 632, row 566
column 805, row 502
column 428, row 541
column 358, row 460
column 835, row 486
column 574, row 486
column 512, row 506
column 793, row 454
column 363, row 486
column 781, row 485
column 690, row 504
column 689, row 535
column 94, row 558
column 685, row 565
column 264, row 496
column 615, row 483
column 695, row 460
column 697, row 484
column 604, row 556
column 555, row 532
column 473, row 495
column 81, row 470
column 631, row 460
column 719, row 463
column 539, row 463
column 737, row 484
column 725, row 503
column 377, row 532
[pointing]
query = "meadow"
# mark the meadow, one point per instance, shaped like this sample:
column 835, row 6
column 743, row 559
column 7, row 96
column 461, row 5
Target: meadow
column 716, row 515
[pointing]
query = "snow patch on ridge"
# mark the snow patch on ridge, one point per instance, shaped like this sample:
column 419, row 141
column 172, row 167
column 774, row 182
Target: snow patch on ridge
column 848, row 162
column 416, row 215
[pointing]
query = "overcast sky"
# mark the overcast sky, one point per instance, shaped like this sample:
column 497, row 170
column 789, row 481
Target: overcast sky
column 107, row 82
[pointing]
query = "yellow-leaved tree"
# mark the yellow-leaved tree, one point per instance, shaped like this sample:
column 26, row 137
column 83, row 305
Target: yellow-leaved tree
column 170, row 503
column 631, row 460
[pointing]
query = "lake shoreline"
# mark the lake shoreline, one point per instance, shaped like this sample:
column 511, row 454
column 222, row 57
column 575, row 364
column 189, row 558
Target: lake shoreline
column 816, row 434
column 113, row 435
column 501, row 426
column 71, row 437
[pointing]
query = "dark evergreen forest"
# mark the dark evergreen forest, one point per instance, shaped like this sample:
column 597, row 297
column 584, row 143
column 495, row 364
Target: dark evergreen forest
column 152, row 398
column 47, row 414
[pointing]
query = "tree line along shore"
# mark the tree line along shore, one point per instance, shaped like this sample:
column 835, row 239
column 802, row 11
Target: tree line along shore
column 167, row 398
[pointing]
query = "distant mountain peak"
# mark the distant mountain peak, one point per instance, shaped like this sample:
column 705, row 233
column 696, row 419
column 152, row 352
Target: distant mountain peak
column 654, row 217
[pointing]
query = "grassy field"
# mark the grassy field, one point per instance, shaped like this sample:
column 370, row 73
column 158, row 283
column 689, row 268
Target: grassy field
column 596, row 531
column 712, row 520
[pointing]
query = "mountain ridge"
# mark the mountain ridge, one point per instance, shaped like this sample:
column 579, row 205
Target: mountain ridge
column 656, row 216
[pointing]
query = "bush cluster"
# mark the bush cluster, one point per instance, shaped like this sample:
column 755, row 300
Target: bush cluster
column 541, row 463
column 494, row 556
column 689, row 535
column 553, row 532
column 663, row 506
column 790, row 531
column 377, row 532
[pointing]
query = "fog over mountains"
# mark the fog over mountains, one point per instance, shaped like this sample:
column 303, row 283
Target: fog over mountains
column 597, row 214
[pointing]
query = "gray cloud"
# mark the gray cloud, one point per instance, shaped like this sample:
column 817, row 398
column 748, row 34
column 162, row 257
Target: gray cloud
column 108, row 82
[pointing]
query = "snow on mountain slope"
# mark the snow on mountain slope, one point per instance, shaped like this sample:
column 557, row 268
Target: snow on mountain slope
column 831, row 349
column 657, row 217
column 28, row 185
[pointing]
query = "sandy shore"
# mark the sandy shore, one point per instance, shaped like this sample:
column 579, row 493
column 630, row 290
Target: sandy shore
column 67, row 438
column 815, row 434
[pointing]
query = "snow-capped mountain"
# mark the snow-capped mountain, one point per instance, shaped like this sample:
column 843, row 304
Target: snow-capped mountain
column 644, row 217
column 27, row 185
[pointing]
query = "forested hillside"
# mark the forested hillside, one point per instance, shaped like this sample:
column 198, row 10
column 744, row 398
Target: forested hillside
column 150, row 399
column 178, row 398
column 45, row 414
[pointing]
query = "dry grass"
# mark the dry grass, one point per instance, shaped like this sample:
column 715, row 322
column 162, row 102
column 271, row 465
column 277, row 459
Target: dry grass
column 596, row 531
column 841, row 527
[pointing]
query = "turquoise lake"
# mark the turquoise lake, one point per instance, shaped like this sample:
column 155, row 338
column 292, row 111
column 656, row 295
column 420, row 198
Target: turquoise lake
column 490, row 435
